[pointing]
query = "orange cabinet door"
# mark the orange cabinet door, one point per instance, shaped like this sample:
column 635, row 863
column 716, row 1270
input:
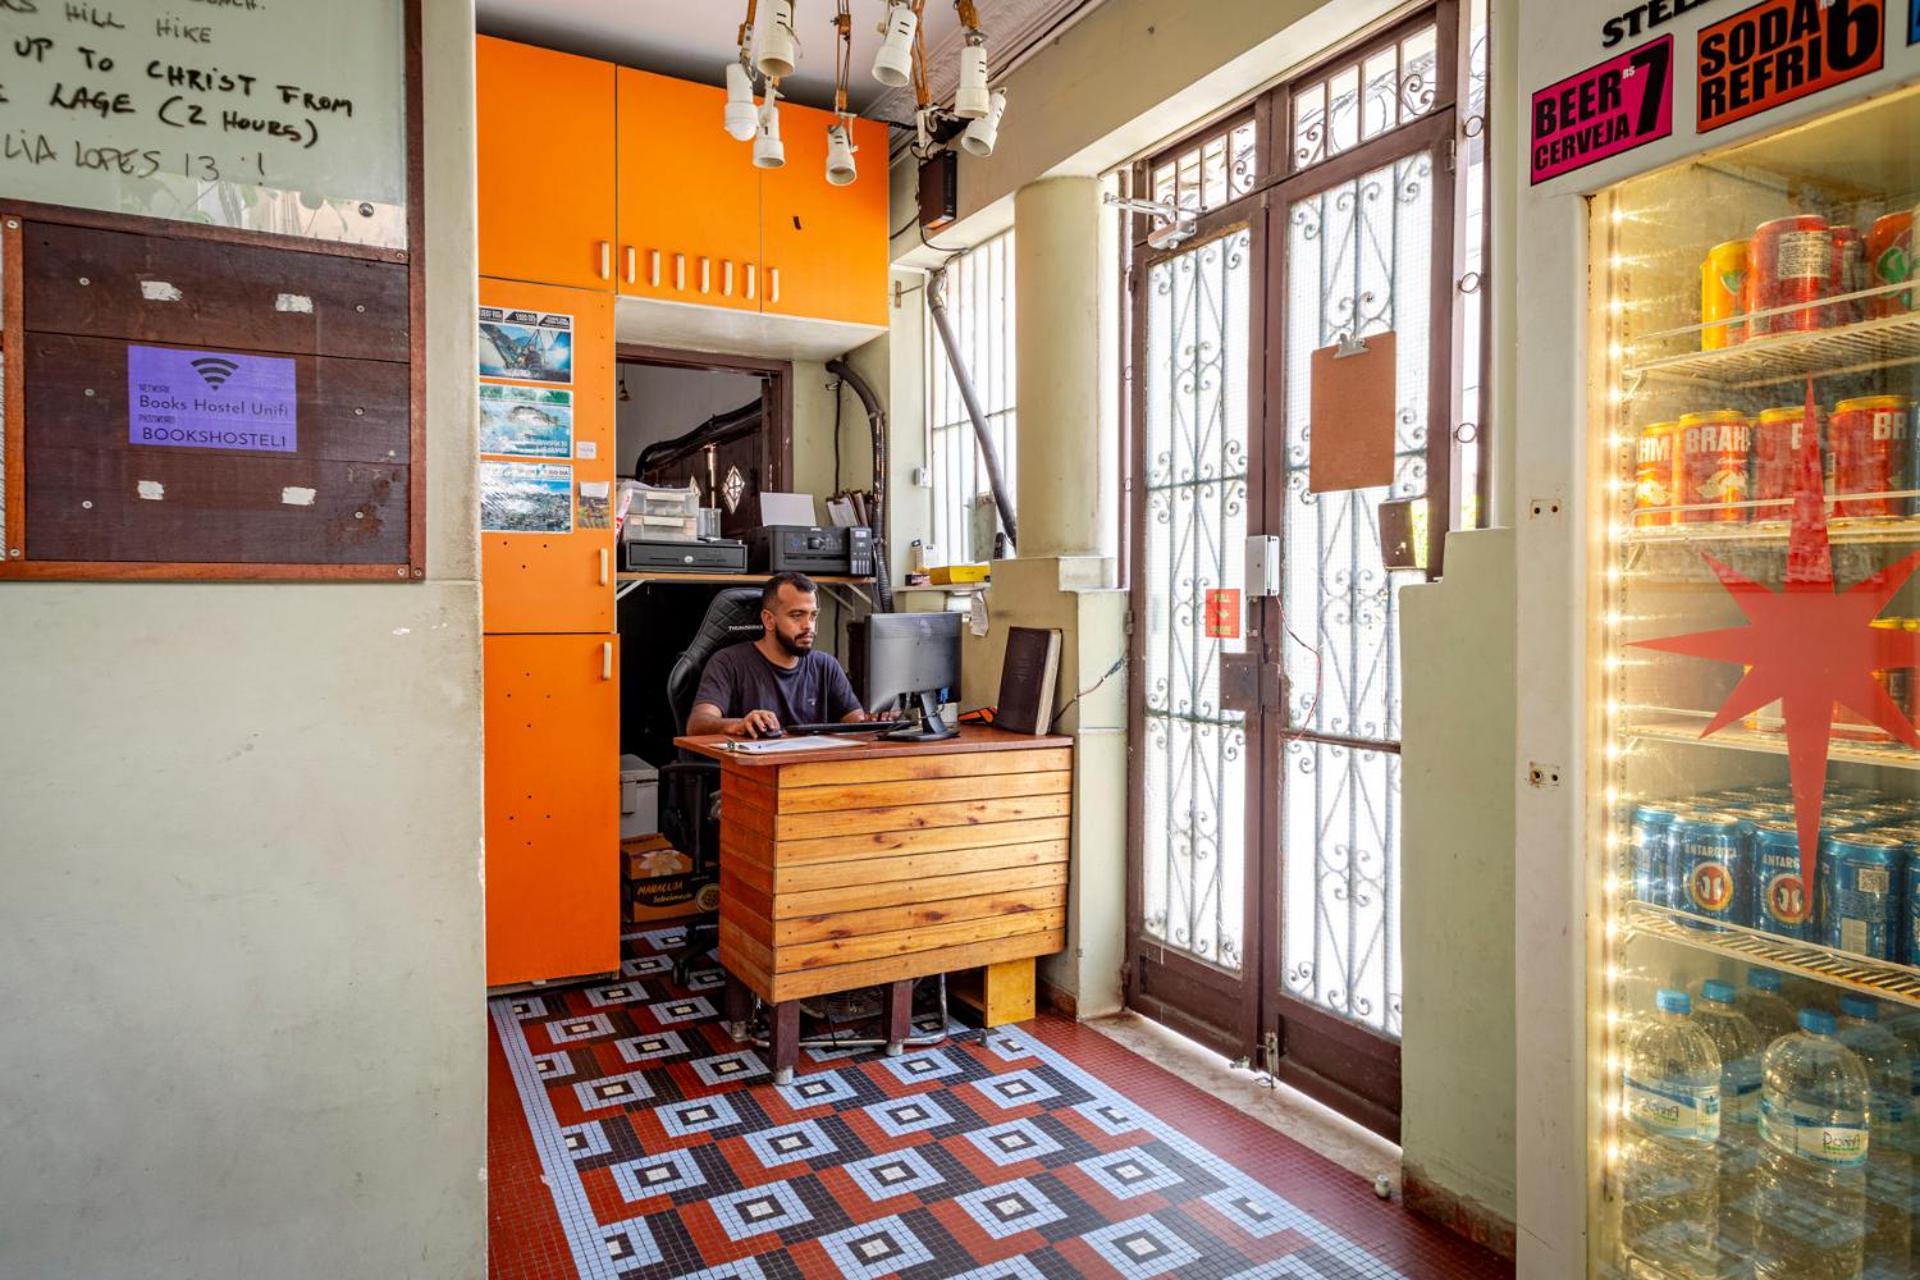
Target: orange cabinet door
column 553, row 807
column 823, row 249
column 545, row 124
column 551, row 579
column 689, row 196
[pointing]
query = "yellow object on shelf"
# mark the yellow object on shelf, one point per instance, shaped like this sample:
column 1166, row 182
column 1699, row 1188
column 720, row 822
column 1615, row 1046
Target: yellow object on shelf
column 948, row 575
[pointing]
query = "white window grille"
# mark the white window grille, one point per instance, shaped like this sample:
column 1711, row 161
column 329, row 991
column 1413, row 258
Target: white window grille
column 980, row 306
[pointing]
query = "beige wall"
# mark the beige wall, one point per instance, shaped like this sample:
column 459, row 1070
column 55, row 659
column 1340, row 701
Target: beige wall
column 242, row 923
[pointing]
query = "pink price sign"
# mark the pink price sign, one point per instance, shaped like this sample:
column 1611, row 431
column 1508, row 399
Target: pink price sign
column 1609, row 108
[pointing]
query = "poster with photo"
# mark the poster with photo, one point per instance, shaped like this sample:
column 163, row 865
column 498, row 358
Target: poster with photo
column 526, row 422
column 526, row 497
column 534, row 346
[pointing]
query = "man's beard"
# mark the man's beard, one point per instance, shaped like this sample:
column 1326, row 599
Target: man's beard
column 793, row 646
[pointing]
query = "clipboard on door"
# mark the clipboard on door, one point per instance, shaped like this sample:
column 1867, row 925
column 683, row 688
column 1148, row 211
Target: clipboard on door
column 1350, row 445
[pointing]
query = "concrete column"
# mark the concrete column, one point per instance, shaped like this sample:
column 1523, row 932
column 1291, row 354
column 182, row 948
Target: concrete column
column 1065, row 322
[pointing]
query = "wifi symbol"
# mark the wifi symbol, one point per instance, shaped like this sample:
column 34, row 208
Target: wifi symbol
column 215, row 370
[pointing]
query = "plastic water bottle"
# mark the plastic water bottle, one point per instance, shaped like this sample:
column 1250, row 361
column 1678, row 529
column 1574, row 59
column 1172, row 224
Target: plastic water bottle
column 1889, row 1159
column 1740, row 1050
column 1760, row 1000
column 1814, row 1099
column 1669, row 1168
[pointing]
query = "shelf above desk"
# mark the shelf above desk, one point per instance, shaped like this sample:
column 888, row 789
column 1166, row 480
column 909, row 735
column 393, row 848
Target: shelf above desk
column 628, row 581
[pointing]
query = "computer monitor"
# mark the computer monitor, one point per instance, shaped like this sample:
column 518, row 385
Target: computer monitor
column 913, row 659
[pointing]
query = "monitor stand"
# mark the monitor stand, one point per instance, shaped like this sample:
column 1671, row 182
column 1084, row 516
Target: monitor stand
column 923, row 709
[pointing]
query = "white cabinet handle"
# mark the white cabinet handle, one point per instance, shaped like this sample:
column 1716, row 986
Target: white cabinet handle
column 680, row 272
column 604, row 557
column 753, row 280
column 606, row 660
column 773, row 285
column 633, row 264
column 726, row 278
column 606, row 259
column 706, row 275
column 653, row 268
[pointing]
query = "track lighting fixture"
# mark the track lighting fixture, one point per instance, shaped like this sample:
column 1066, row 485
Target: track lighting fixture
column 742, row 116
column 970, row 100
column 893, row 65
column 840, row 170
column 779, row 47
column 768, row 151
column 984, row 133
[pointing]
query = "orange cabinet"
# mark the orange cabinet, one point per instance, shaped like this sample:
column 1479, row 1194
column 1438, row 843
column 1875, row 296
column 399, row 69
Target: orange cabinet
column 545, row 125
column 689, row 196
column 823, row 249
column 553, row 806
column 554, row 581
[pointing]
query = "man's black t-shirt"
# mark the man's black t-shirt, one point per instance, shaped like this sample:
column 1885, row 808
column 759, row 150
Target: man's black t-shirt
column 815, row 690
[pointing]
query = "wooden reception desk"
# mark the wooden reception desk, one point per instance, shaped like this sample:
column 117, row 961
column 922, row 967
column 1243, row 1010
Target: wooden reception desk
column 875, row 863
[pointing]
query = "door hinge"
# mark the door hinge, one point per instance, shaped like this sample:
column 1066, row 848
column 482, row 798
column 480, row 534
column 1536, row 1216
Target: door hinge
column 1126, row 627
column 1270, row 1054
column 1453, row 154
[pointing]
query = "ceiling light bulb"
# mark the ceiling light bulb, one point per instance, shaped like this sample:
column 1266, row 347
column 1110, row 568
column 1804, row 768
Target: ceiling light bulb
column 768, row 151
column 779, row 50
column 893, row 65
column 970, row 100
column 982, row 134
column 742, row 117
column 840, row 149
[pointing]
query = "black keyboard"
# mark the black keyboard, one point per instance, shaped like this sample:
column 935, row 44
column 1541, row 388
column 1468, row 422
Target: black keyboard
column 857, row 726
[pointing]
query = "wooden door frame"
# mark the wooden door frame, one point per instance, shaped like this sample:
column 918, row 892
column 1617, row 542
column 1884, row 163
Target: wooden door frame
column 776, row 434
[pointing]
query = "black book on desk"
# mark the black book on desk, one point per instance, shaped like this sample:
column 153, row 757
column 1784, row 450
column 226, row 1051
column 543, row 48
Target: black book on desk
column 1027, row 680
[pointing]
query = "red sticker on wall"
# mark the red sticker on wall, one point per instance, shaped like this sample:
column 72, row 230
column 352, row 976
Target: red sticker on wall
column 1223, row 613
column 1780, row 50
column 1615, row 106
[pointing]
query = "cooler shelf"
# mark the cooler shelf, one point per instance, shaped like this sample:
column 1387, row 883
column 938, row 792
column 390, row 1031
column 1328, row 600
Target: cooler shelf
column 1880, row 978
column 1844, row 530
column 1669, row 725
column 1870, row 344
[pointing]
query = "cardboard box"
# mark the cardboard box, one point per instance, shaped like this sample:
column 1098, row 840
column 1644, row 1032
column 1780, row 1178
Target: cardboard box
column 657, row 883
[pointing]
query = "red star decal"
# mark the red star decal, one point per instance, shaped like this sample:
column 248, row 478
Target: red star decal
column 1809, row 647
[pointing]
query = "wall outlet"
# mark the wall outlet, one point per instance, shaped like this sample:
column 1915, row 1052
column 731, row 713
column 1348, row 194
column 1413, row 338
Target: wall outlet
column 1539, row 508
column 1543, row 777
column 922, row 477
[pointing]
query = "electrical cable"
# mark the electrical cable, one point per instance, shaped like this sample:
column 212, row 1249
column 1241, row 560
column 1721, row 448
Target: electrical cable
column 839, row 400
column 1105, row 676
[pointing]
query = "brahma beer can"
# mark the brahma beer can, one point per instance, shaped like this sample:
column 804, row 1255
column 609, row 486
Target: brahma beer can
column 1869, row 437
column 1723, row 294
column 1706, row 866
column 1791, row 261
column 1711, row 458
column 1859, row 893
column 1889, row 259
column 1653, row 473
column 1777, row 434
column 1847, row 274
column 1778, row 898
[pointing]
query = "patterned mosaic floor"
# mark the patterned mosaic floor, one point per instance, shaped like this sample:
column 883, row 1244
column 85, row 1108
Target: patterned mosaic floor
column 630, row 1137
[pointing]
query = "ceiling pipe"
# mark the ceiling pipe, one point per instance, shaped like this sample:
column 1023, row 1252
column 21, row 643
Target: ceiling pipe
column 989, row 456
column 877, row 516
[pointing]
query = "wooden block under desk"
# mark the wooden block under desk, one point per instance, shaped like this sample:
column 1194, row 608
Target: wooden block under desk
column 875, row 866
column 999, row 993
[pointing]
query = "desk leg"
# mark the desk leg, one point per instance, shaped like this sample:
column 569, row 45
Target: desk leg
column 899, row 1016
column 737, row 1008
column 785, row 1034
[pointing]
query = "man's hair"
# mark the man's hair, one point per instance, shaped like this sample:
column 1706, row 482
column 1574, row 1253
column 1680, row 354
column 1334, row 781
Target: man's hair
column 770, row 594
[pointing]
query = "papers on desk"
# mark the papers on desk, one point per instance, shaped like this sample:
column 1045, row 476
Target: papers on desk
column 777, row 746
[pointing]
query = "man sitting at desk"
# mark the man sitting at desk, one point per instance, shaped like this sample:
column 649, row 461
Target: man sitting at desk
column 759, row 686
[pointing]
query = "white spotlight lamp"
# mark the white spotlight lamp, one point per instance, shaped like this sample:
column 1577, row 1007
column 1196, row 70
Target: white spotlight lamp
column 742, row 117
column 982, row 134
column 840, row 149
column 779, row 50
column 893, row 65
column 768, row 151
column 970, row 100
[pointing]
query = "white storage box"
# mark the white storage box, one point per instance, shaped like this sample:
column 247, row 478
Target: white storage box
column 656, row 514
column 639, row 798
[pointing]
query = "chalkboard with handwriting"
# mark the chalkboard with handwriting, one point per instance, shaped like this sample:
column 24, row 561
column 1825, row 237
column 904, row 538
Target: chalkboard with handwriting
column 284, row 116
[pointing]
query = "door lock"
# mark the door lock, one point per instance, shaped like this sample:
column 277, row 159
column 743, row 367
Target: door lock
column 1263, row 566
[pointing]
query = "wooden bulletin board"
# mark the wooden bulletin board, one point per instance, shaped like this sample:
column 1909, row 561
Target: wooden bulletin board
column 189, row 394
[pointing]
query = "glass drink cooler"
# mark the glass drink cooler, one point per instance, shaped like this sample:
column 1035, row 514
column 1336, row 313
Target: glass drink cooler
column 1755, row 360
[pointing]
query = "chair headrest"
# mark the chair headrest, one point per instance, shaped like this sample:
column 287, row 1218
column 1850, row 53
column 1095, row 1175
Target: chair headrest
column 732, row 616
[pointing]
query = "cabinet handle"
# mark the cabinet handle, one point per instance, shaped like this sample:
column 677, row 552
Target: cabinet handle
column 726, row 278
column 606, row 660
column 606, row 259
column 653, row 267
column 603, row 566
column 633, row 264
column 753, row 274
column 680, row 272
column 706, row 275
column 773, row 286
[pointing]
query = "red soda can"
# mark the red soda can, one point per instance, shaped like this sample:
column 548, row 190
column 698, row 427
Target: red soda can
column 1847, row 274
column 1791, row 263
column 1889, row 258
column 1869, row 438
column 1777, row 434
column 1710, row 461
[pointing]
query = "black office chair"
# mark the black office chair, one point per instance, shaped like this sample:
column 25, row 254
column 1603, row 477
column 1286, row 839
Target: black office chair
column 688, row 787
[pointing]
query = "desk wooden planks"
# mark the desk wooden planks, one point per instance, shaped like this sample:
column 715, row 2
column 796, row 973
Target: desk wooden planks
column 873, row 867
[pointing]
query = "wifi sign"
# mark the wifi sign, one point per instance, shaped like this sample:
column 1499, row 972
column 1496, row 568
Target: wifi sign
column 211, row 400
column 216, row 369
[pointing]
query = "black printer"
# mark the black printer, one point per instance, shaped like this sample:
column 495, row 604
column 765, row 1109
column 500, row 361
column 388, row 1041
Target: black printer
column 803, row 549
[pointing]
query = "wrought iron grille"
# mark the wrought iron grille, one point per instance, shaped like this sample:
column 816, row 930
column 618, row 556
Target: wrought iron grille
column 1217, row 170
column 1194, row 853
column 1471, row 358
column 1362, row 99
column 1358, row 262
column 980, row 304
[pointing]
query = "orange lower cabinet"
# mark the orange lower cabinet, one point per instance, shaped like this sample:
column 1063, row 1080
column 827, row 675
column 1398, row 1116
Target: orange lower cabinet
column 553, row 806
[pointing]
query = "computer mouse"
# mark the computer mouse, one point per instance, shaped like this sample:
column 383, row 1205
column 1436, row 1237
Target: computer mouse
column 772, row 733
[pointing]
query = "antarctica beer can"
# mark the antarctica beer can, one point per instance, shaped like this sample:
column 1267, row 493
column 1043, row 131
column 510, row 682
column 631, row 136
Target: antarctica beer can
column 1858, row 893
column 1779, row 902
column 1704, row 871
column 1648, row 837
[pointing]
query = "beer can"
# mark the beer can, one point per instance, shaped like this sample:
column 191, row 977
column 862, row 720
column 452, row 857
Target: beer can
column 1889, row 258
column 1647, row 840
column 1777, row 434
column 1653, row 473
column 1791, row 262
column 1779, row 901
column 1848, row 723
column 1706, row 867
column 1859, row 893
column 1712, row 454
column 1847, row 273
column 1723, row 293
column 1869, row 439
